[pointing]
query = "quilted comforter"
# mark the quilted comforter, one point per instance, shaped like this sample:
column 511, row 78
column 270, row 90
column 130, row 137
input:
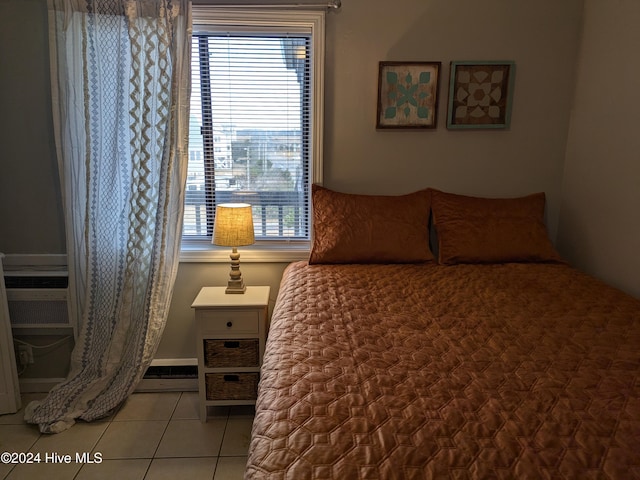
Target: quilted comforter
column 429, row 371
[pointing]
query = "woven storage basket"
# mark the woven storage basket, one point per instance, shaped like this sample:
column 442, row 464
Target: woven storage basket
column 232, row 386
column 231, row 353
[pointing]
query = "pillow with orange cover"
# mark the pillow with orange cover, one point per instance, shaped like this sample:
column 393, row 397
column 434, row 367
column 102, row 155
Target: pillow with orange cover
column 491, row 230
column 351, row 228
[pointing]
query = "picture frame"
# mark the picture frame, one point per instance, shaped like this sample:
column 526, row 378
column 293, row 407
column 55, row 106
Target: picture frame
column 480, row 94
column 408, row 94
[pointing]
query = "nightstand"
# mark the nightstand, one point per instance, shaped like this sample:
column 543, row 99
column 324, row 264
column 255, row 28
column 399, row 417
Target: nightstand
column 230, row 337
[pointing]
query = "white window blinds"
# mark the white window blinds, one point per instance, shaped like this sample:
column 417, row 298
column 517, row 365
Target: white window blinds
column 250, row 130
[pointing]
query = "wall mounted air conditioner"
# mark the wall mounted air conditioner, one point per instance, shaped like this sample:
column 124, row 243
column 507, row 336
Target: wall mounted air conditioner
column 37, row 295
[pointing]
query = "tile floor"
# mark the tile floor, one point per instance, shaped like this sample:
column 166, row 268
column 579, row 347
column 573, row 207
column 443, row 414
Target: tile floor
column 153, row 436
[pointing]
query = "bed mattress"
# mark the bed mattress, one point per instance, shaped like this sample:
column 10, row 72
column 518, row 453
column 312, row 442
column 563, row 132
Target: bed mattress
column 430, row 371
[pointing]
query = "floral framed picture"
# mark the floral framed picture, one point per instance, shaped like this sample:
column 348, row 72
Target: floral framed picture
column 480, row 94
column 408, row 94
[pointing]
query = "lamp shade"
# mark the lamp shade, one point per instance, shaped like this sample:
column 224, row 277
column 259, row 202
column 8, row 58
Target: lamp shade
column 233, row 225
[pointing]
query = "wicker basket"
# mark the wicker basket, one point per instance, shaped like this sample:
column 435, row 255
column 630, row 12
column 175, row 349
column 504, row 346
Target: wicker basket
column 231, row 353
column 232, row 386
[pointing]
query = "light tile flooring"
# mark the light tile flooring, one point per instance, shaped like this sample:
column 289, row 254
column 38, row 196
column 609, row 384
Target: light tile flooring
column 153, row 436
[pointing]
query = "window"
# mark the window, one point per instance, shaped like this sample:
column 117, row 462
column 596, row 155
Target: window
column 256, row 120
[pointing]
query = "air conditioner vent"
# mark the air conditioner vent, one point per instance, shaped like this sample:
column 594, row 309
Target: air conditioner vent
column 38, row 313
column 38, row 302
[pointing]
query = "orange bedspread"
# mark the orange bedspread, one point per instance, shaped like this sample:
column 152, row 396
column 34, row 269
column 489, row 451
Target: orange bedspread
column 468, row 371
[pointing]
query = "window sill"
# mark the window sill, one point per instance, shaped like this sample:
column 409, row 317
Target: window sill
column 204, row 252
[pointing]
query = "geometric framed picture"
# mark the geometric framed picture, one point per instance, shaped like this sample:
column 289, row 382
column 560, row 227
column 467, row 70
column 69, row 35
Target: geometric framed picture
column 480, row 94
column 408, row 94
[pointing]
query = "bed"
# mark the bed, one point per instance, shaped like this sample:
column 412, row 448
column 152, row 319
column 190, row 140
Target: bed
column 483, row 361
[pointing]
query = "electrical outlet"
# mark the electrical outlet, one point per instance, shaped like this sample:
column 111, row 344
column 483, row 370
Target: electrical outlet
column 25, row 355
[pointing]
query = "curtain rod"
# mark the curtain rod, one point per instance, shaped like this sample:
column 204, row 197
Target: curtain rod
column 329, row 4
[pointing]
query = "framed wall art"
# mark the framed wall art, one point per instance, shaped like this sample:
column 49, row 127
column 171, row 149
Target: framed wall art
column 480, row 94
column 408, row 94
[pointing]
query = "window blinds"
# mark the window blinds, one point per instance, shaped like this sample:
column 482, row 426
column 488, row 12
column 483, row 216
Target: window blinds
column 249, row 131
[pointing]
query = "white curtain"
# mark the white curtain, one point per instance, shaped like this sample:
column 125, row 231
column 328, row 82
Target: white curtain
column 121, row 83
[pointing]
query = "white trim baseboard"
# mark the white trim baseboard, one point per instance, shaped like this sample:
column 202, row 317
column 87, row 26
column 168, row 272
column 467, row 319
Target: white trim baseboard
column 38, row 385
column 168, row 385
column 44, row 385
column 171, row 362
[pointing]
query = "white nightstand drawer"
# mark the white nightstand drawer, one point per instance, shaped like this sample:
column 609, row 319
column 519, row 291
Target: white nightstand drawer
column 225, row 322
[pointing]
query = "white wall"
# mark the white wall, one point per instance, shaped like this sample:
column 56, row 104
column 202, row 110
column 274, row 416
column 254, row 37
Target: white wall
column 31, row 218
column 542, row 37
column 600, row 215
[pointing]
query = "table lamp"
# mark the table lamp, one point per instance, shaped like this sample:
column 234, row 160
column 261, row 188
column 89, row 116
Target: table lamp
column 233, row 227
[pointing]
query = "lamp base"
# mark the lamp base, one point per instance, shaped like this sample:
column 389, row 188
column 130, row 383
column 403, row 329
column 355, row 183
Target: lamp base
column 235, row 287
column 236, row 282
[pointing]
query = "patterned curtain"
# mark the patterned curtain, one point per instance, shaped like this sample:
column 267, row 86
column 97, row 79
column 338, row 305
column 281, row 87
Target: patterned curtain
column 120, row 73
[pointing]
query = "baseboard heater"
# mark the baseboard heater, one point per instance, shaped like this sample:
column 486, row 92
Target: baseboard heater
column 171, row 371
column 170, row 375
